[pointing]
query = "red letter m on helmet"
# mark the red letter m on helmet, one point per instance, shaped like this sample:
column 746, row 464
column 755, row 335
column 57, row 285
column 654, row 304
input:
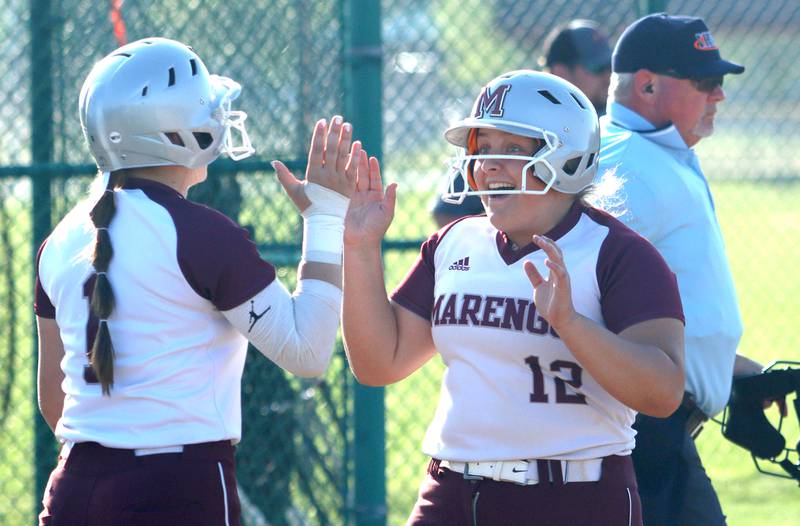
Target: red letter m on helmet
column 491, row 102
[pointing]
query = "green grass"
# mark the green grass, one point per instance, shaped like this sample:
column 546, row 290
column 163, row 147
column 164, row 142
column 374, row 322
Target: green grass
column 761, row 227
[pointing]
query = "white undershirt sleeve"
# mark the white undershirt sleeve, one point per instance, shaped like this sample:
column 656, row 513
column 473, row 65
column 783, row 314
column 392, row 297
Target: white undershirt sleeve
column 298, row 331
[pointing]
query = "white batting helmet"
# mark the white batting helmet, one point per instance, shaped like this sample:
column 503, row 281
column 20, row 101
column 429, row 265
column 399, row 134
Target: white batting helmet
column 153, row 103
column 531, row 104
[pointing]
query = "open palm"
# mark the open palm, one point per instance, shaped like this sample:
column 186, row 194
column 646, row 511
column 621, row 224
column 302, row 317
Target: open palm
column 329, row 162
column 552, row 296
column 371, row 209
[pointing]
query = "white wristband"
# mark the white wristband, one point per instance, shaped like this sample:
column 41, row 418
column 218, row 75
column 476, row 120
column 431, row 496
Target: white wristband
column 322, row 238
column 325, row 201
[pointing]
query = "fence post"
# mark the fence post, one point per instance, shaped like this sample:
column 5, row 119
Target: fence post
column 42, row 34
column 363, row 92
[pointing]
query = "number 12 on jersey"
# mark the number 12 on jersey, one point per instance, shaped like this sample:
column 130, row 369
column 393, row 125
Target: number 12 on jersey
column 538, row 395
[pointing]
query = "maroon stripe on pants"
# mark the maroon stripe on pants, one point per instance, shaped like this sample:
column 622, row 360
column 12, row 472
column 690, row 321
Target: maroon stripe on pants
column 447, row 499
column 96, row 485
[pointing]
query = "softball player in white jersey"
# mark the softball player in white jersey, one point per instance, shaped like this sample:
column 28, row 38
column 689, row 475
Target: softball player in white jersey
column 145, row 301
column 555, row 321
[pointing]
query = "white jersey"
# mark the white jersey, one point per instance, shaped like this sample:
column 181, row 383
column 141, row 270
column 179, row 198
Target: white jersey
column 178, row 362
column 512, row 389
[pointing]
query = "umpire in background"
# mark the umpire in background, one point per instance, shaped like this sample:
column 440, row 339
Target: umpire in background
column 666, row 86
column 579, row 53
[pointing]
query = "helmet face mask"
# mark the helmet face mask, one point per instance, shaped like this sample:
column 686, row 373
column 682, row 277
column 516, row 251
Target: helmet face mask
column 540, row 106
column 462, row 166
column 745, row 424
column 232, row 120
column 153, row 103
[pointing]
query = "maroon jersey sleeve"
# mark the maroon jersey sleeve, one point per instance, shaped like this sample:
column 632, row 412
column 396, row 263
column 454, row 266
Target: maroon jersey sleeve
column 42, row 305
column 415, row 292
column 219, row 260
column 216, row 256
column 635, row 282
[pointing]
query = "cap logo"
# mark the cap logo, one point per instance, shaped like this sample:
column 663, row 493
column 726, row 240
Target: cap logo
column 704, row 41
column 491, row 102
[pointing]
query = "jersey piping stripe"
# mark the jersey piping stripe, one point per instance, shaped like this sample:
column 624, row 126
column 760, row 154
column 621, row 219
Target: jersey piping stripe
column 630, row 506
column 225, row 493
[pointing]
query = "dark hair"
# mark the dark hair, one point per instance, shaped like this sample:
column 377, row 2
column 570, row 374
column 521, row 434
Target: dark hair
column 577, row 43
column 102, row 300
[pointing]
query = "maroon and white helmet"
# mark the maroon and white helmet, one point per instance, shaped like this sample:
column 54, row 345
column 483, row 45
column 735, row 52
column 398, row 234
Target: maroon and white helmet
column 153, row 103
column 531, row 104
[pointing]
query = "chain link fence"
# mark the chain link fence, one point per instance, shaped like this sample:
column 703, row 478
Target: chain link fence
column 302, row 456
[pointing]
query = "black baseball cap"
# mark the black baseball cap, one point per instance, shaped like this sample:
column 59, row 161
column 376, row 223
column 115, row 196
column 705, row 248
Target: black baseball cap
column 679, row 46
column 470, row 206
column 578, row 42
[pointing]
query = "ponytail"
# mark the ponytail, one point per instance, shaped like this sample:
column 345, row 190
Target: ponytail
column 102, row 301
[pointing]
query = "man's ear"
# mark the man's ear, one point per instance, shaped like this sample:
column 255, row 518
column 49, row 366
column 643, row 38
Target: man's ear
column 645, row 84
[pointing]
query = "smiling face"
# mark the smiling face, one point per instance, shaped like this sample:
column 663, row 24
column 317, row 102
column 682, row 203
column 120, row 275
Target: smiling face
column 518, row 215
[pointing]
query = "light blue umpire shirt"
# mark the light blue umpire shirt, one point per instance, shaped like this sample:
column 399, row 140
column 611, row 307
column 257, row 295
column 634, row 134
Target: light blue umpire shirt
column 666, row 198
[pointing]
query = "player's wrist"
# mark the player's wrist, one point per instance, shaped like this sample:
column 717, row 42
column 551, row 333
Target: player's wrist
column 325, row 201
column 363, row 250
column 322, row 238
column 568, row 323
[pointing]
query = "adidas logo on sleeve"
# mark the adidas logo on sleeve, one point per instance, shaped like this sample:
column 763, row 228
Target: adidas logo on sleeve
column 461, row 264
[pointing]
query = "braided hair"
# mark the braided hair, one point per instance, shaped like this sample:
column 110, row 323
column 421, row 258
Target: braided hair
column 102, row 300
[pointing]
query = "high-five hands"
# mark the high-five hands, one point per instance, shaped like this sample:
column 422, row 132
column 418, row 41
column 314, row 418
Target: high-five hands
column 329, row 163
column 552, row 296
column 371, row 209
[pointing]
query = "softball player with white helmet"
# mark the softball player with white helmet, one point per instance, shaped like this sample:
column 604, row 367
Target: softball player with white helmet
column 146, row 301
column 556, row 322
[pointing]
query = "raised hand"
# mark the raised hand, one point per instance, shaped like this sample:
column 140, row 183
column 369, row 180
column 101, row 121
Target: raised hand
column 371, row 210
column 328, row 163
column 552, row 296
